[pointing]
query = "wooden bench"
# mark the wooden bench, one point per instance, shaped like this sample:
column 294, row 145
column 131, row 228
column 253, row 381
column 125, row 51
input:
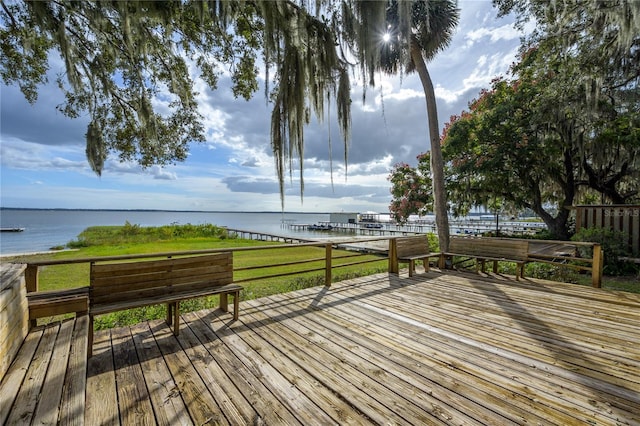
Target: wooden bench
column 493, row 249
column 120, row 286
column 410, row 249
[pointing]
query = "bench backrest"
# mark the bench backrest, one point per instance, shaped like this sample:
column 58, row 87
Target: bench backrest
column 412, row 246
column 490, row 247
column 116, row 282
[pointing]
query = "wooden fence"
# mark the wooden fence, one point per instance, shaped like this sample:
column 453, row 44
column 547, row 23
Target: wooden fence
column 622, row 218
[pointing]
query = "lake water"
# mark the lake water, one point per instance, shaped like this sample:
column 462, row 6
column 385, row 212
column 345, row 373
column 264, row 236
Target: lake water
column 44, row 229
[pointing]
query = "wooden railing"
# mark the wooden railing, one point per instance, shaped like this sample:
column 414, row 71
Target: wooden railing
column 331, row 262
column 346, row 249
column 572, row 260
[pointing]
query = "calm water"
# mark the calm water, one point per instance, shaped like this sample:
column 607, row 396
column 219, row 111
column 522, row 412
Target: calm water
column 48, row 228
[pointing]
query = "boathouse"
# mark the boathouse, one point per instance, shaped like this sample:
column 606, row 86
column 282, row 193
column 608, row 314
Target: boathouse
column 343, row 217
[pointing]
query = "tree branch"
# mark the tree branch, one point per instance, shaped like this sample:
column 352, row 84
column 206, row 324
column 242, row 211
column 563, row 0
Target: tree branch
column 9, row 14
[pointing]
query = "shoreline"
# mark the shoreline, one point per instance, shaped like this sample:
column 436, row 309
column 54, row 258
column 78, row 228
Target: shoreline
column 34, row 253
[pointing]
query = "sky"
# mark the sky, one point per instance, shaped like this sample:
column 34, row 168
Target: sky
column 43, row 162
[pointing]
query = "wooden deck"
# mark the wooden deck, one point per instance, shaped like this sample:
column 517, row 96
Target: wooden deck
column 438, row 348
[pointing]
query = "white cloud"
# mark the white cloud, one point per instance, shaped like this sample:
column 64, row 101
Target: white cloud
column 16, row 153
column 494, row 34
column 163, row 174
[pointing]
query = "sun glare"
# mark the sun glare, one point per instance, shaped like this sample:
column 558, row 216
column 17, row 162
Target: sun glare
column 386, row 37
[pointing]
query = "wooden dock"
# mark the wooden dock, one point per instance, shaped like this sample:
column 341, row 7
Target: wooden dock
column 438, row 348
column 358, row 229
column 464, row 227
column 264, row 236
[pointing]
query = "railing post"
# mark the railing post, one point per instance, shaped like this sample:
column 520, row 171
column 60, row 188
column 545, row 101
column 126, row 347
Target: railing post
column 393, row 256
column 597, row 266
column 327, row 270
column 31, row 278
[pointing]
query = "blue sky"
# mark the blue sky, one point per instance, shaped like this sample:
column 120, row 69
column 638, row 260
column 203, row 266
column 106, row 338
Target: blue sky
column 43, row 163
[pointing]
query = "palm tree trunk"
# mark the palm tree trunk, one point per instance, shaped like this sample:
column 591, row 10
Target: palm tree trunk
column 437, row 163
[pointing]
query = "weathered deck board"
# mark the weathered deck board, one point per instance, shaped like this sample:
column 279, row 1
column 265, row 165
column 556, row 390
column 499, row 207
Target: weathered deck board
column 133, row 396
column 27, row 397
column 72, row 405
column 437, row 348
column 386, row 347
column 46, row 383
column 101, row 394
column 14, row 377
column 454, row 328
column 168, row 408
column 51, row 393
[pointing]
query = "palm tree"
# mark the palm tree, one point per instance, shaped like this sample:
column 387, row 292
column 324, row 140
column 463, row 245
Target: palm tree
column 434, row 31
column 414, row 32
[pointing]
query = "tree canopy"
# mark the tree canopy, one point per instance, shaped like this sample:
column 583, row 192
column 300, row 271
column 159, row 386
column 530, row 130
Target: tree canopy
column 411, row 189
column 129, row 66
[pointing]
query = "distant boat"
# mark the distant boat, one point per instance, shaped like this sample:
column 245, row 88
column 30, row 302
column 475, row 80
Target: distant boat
column 11, row 229
column 373, row 225
column 320, row 227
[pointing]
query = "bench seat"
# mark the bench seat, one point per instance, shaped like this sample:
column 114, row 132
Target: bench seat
column 170, row 298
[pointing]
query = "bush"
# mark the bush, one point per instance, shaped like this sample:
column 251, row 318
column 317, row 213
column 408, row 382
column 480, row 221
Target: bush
column 129, row 229
column 136, row 234
column 78, row 244
column 613, row 247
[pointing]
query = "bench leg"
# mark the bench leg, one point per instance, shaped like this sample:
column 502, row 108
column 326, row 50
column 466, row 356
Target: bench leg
column 495, row 266
column 176, row 318
column 173, row 316
column 90, row 338
column 425, row 262
column 236, row 305
column 519, row 271
column 412, row 266
column 224, row 302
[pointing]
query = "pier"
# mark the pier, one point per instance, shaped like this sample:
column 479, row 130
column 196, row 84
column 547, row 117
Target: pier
column 331, row 231
column 466, row 227
column 358, row 229
column 262, row 236
column 369, row 245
